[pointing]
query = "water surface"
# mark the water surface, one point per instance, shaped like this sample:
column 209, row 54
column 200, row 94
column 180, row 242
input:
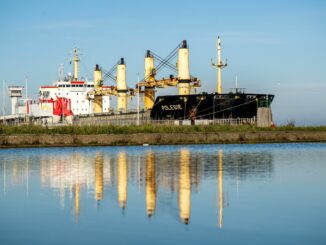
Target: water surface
column 234, row 194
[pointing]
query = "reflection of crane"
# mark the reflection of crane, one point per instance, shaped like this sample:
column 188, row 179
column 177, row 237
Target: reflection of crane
column 150, row 184
column 184, row 186
column 76, row 193
column 122, row 179
column 220, row 188
column 99, row 177
column 4, row 178
column 184, row 81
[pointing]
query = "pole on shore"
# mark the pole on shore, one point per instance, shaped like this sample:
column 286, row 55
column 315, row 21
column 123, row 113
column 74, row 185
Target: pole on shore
column 138, row 101
column 3, row 101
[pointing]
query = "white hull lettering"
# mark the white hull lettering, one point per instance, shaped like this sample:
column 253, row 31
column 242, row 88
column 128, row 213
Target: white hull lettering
column 171, row 107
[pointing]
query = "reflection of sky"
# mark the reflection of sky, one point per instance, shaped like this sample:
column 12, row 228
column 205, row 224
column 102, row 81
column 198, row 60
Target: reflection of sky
column 272, row 46
column 273, row 191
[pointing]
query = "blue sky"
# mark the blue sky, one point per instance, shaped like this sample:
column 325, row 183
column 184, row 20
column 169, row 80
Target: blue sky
column 272, row 46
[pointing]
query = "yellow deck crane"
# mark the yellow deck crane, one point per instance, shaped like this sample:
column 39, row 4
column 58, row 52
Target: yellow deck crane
column 184, row 80
column 120, row 90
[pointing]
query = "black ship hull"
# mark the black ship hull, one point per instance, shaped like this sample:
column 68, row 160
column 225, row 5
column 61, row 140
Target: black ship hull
column 209, row 106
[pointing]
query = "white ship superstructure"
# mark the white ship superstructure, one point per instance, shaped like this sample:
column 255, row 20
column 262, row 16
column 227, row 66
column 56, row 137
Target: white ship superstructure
column 76, row 92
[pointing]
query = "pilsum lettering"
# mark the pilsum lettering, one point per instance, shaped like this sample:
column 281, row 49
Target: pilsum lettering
column 171, row 107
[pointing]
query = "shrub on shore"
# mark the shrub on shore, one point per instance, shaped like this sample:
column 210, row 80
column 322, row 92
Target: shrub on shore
column 147, row 128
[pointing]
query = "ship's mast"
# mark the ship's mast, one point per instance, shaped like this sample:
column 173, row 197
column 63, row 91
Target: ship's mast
column 75, row 59
column 219, row 65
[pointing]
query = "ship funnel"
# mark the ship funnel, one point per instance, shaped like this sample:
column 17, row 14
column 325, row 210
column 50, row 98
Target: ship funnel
column 122, row 61
column 184, row 44
column 148, row 54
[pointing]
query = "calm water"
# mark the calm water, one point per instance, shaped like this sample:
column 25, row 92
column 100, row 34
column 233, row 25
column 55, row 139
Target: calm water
column 226, row 194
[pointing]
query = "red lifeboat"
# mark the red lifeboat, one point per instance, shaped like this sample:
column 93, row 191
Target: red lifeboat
column 62, row 107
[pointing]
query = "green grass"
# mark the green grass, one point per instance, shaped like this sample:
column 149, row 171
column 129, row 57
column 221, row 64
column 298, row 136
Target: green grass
column 149, row 128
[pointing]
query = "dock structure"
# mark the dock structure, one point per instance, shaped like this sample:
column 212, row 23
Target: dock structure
column 264, row 117
column 12, row 119
column 15, row 92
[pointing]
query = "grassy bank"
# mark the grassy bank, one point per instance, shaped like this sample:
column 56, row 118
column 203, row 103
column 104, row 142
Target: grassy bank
column 150, row 128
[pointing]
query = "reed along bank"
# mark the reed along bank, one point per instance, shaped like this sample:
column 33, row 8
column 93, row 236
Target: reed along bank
column 38, row 136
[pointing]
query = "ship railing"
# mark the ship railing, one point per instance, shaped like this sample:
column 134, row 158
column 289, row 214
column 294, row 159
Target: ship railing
column 133, row 121
column 122, row 122
column 235, row 121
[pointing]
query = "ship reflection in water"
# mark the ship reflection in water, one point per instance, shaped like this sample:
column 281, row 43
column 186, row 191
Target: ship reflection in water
column 167, row 180
column 226, row 194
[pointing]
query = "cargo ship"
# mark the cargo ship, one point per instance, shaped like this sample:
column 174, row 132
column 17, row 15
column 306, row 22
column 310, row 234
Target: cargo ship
column 73, row 98
column 187, row 106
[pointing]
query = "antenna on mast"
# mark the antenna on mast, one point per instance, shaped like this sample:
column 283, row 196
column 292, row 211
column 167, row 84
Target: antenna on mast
column 219, row 65
column 61, row 72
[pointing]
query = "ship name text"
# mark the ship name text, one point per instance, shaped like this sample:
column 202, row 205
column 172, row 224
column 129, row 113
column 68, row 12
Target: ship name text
column 171, row 107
